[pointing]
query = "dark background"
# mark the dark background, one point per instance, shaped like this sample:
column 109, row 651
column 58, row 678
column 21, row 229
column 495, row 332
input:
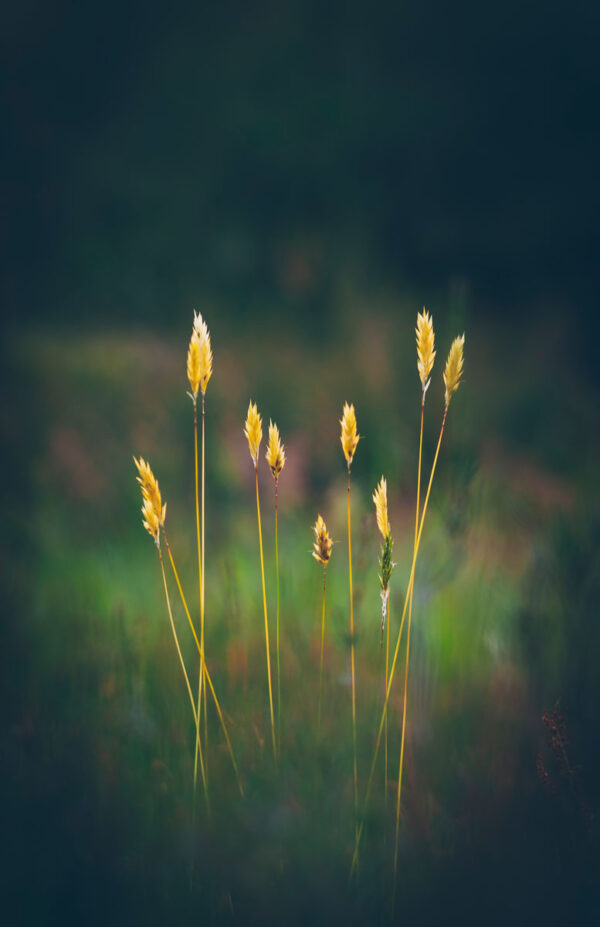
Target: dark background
column 154, row 155
column 308, row 175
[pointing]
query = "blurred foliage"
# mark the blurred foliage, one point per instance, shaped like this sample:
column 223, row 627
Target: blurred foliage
column 99, row 750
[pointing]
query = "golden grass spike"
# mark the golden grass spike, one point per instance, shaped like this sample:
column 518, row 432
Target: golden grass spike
column 205, row 362
column 454, row 367
column 349, row 437
column 253, row 431
column 193, row 365
column 425, row 346
column 153, row 510
column 275, row 451
column 323, row 543
column 381, row 508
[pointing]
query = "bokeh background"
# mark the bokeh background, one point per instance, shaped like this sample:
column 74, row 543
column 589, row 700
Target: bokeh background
column 308, row 176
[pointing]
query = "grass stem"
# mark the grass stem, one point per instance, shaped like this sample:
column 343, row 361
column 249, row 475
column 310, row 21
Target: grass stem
column 206, row 672
column 352, row 666
column 397, row 648
column 410, row 605
column 187, row 681
column 262, row 571
column 322, row 647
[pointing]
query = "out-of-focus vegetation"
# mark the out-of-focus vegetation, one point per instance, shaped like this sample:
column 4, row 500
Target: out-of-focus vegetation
column 307, row 179
column 100, row 746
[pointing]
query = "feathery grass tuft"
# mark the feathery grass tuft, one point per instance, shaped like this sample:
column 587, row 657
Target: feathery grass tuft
column 454, row 368
column 153, row 510
column 323, row 544
column 275, row 451
column 425, row 347
column 253, row 431
column 349, row 437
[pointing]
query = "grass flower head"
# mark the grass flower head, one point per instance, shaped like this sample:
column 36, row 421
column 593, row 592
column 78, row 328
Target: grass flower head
column 205, row 358
column 253, row 431
column 153, row 510
column 349, row 437
column 275, row 451
column 381, row 508
column 323, row 543
column 454, row 368
column 425, row 347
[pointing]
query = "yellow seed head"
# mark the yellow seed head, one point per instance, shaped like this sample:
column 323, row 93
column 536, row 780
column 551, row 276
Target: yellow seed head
column 425, row 346
column 381, row 508
column 253, row 431
column 349, row 437
column 454, row 368
column 275, row 451
column 153, row 510
column 193, row 365
column 205, row 361
column 323, row 543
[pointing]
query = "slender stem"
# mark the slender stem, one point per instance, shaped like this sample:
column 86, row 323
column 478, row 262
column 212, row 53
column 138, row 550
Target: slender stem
column 410, row 605
column 322, row 646
column 202, row 594
column 278, row 661
column 187, row 681
column 387, row 664
column 262, row 571
column 200, row 671
column 353, row 674
column 397, row 648
column 206, row 672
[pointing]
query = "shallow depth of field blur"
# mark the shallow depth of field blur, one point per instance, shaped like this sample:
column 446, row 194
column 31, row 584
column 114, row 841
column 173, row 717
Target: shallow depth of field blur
column 308, row 182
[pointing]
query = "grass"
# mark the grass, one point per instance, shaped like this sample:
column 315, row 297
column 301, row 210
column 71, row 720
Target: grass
column 112, row 798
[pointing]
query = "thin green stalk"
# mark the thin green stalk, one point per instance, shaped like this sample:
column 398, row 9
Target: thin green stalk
column 410, row 604
column 262, row 572
column 387, row 664
column 322, row 646
column 206, row 672
column 202, row 592
column 278, row 660
column 397, row 649
column 200, row 671
column 353, row 674
column 187, row 681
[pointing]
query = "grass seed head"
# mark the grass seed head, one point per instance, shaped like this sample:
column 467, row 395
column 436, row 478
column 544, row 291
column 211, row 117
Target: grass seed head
column 381, row 508
column 454, row 368
column 349, row 437
column 193, row 365
column 425, row 347
column 275, row 451
column 205, row 361
column 153, row 510
column 253, row 431
column 323, row 543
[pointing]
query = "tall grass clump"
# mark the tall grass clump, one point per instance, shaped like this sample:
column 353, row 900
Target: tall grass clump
column 452, row 377
column 199, row 371
column 254, row 433
column 322, row 553
column 276, row 460
column 349, row 439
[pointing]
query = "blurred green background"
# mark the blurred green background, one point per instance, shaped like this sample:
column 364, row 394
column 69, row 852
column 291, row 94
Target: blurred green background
column 307, row 176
